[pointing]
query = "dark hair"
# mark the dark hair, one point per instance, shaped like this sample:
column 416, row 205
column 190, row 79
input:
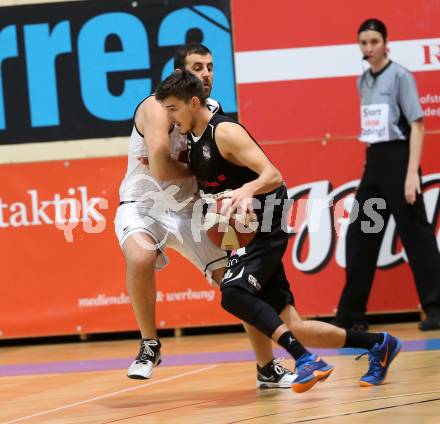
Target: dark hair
column 183, row 85
column 185, row 50
column 374, row 25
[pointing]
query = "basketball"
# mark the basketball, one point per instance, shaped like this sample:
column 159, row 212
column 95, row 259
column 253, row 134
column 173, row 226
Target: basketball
column 229, row 233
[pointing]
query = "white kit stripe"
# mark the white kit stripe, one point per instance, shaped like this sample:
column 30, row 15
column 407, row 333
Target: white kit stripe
column 328, row 61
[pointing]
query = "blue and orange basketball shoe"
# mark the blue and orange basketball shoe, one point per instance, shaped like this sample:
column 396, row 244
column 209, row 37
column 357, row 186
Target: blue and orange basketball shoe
column 310, row 369
column 380, row 357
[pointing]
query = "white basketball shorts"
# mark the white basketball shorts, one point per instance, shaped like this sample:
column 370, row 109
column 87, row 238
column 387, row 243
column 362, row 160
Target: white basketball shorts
column 180, row 231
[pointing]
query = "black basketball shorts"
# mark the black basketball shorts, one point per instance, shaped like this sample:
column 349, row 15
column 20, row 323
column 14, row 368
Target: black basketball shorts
column 258, row 267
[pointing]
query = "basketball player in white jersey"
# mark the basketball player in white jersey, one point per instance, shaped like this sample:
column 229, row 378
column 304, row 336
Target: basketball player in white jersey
column 154, row 215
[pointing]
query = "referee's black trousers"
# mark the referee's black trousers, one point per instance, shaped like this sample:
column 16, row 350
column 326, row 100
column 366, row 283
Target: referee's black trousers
column 384, row 178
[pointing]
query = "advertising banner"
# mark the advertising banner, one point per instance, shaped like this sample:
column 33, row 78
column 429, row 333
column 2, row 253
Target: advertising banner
column 297, row 64
column 322, row 178
column 296, row 69
column 62, row 271
column 76, row 70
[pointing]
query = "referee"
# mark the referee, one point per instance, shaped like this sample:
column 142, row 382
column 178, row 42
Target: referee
column 392, row 128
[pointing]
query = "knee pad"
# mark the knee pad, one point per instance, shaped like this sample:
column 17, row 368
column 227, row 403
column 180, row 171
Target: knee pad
column 234, row 300
column 251, row 309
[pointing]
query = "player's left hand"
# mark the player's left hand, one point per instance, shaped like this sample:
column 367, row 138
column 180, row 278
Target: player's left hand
column 240, row 201
column 412, row 187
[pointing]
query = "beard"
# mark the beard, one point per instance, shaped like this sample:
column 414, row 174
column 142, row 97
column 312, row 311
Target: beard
column 207, row 87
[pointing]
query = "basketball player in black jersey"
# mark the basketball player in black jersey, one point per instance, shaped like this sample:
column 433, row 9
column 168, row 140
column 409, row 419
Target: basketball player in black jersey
column 141, row 263
column 224, row 157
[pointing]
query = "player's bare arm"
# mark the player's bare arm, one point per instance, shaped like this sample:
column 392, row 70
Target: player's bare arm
column 236, row 146
column 154, row 123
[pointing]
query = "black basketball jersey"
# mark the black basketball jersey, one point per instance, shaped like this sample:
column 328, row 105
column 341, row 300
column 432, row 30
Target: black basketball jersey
column 213, row 172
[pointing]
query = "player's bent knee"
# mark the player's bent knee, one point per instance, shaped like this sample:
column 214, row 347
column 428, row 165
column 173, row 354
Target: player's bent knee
column 139, row 261
column 229, row 299
column 138, row 257
column 235, row 300
column 250, row 309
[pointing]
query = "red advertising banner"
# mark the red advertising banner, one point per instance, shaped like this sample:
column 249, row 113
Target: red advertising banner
column 62, row 271
column 297, row 64
column 67, row 277
column 296, row 69
column 62, row 277
column 322, row 177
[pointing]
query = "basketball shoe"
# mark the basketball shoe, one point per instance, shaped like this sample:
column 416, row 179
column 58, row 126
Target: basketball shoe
column 380, row 358
column 310, row 369
column 148, row 358
column 432, row 322
column 274, row 375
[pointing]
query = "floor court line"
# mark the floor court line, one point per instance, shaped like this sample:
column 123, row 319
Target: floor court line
column 163, row 380
column 308, row 408
column 351, row 402
column 184, row 359
column 364, row 411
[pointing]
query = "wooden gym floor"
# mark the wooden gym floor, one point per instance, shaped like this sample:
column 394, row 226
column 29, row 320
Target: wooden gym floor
column 211, row 379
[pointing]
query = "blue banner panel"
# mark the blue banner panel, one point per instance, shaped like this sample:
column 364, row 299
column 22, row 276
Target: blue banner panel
column 77, row 70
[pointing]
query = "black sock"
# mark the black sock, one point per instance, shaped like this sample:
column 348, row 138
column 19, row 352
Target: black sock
column 293, row 346
column 266, row 368
column 362, row 340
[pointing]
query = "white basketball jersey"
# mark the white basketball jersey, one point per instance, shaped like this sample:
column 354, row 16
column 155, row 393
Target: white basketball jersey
column 138, row 183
